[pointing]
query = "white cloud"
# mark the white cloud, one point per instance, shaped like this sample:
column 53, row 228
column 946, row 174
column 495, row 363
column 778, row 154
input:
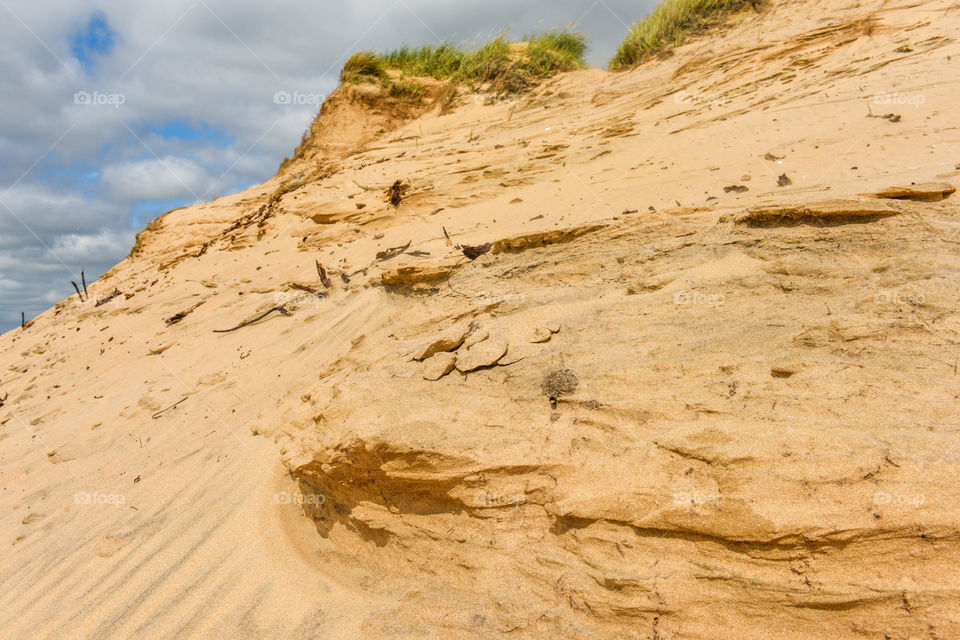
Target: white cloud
column 158, row 179
column 32, row 211
column 79, row 249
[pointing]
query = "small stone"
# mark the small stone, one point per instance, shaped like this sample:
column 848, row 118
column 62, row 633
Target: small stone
column 785, row 369
column 482, row 354
column 448, row 341
column 541, row 334
column 554, row 326
column 439, row 365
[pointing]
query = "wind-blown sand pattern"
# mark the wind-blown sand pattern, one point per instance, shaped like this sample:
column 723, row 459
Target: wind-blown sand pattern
column 652, row 408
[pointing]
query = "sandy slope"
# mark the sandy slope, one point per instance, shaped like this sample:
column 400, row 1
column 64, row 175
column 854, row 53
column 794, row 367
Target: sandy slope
column 762, row 441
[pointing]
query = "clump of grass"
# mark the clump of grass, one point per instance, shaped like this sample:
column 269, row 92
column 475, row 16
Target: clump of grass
column 364, row 66
column 407, row 90
column 486, row 63
column 669, row 24
column 495, row 62
column 552, row 52
column 448, row 62
column 443, row 61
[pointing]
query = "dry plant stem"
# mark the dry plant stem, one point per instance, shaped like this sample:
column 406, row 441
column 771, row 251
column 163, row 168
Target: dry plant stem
column 281, row 309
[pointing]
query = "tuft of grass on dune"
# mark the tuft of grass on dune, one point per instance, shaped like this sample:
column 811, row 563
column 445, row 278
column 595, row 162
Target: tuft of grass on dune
column 670, row 23
column 552, row 52
column 364, row 66
column 407, row 90
column 486, row 63
column 448, row 62
column 428, row 61
column 504, row 65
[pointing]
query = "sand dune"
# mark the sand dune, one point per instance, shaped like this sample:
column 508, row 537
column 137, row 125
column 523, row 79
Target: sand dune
column 702, row 383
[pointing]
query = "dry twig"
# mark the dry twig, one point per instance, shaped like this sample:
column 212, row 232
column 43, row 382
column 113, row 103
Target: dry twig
column 281, row 309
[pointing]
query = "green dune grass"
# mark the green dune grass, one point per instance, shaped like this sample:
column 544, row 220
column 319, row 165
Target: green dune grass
column 670, row 23
column 509, row 69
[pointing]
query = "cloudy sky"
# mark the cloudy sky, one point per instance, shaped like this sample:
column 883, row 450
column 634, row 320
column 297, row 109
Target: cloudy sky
column 116, row 111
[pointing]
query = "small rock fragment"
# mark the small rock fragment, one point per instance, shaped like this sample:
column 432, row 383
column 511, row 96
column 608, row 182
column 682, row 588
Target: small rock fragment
column 541, row 334
column 785, row 369
column 448, row 341
column 554, row 326
column 833, row 211
column 927, row 192
column 439, row 365
column 483, row 354
column 784, row 180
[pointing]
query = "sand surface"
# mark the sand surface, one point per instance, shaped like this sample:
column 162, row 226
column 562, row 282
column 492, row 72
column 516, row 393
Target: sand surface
column 704, row 383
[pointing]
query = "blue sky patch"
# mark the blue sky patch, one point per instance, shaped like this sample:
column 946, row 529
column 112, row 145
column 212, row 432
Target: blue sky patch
column 145, row 211
column 94, row 40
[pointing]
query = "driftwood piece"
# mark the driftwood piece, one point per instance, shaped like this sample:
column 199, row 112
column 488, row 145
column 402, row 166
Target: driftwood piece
column 177, row 317
column 116, row 293
column 323, row 275
column 303, row 287
column 393, row 252
column 162, row 411
column 396, row 192
column 280, row 309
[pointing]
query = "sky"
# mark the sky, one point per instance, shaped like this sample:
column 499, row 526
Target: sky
column 117, row 111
